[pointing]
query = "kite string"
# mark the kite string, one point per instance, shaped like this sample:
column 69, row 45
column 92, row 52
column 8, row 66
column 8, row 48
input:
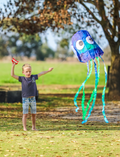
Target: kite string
column 103, row 93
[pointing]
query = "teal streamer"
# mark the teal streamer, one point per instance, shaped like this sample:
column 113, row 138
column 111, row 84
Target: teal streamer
column 103, row 93
column 83, row 100
column 94, row 94
column 83, row 84
column 91, row 97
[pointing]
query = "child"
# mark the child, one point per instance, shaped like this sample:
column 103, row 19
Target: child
column 29, row 92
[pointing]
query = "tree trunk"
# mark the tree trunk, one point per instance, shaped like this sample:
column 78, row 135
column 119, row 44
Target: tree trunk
column 114, row 76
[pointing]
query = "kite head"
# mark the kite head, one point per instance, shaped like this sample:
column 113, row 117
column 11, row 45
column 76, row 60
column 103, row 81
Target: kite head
column 84, row 47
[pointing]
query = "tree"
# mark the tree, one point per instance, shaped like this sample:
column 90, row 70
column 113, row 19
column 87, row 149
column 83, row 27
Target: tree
column 104, row 13
column 63, row 49
column 61, row 53
column 30, row 44
column 64, row 43
column 12, row 45
column 3, row 47
column 27, row 44
column 44, row 52
column 32, row 17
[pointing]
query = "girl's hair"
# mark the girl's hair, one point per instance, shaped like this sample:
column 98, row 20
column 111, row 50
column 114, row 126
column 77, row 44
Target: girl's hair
column 26, row 65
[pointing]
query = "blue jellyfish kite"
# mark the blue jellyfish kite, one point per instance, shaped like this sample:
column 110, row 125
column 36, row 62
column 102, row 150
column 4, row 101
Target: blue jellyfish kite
column 86, row 49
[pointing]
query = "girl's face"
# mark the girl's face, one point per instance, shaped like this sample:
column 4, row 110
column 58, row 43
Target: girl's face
column 27, row 72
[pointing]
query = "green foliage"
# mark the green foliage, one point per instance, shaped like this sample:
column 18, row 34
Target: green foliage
column 59, row 138
column 64, row 43
column 12, row 44
column 29, row 38
column 3, row 47
column 55, row 136
column 61, row 53
column 27, row 44
column 44, row 52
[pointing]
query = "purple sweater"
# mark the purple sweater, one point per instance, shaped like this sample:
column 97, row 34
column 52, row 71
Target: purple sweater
column 29, row 87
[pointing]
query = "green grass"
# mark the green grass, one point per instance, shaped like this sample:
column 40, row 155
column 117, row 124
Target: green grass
column 61, row 138
column 62, row 74
column 56, row 137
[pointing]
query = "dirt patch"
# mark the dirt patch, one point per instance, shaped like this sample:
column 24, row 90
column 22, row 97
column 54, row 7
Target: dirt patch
column 112, row 111
column 99, row 95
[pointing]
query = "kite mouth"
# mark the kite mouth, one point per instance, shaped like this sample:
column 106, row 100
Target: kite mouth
column 90, row 54
column 94, row 52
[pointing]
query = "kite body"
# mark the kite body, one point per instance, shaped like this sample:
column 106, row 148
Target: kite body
column 86, row 49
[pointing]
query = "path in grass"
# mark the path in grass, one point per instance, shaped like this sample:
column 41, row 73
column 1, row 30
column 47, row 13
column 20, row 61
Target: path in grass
column 61, row 106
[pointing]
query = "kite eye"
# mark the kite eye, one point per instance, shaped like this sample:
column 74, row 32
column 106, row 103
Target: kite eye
column 79, row 44
column 89, row 40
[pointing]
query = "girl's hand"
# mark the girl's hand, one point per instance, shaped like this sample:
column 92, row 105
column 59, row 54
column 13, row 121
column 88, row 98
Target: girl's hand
column 50, row 69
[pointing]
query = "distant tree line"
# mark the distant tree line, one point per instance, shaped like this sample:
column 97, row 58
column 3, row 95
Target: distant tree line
column 27, row 45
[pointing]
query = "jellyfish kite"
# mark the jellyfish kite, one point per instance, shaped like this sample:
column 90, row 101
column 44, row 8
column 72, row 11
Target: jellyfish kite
column 86, row 50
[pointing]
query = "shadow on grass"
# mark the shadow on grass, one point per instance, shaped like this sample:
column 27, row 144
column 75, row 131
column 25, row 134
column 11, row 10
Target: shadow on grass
column 15, row 124
column 11, row 116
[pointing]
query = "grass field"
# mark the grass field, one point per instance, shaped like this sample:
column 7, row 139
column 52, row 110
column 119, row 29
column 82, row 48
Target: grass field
column 61, row 139
column 62, row 74
column 56, row 136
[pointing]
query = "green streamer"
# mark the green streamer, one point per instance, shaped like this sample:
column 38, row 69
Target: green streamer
column 103, row 93
column 82, row 86
column 83, row 96
column 94, row 93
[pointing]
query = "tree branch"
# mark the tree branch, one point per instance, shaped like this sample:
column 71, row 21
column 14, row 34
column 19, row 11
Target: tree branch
column 118, row 32
column 105, row 22
column 89, row 1
column 115, row 16
column 94, row 17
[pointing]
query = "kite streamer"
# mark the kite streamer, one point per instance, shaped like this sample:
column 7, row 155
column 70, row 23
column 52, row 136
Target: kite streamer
column 86, row 49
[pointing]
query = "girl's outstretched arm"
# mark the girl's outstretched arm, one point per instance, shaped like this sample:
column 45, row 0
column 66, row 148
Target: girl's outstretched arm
column 45, row 72
column 12, row 72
